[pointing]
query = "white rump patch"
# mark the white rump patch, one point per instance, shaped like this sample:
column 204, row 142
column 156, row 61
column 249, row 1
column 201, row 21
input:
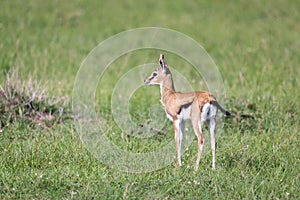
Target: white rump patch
column 209, row 111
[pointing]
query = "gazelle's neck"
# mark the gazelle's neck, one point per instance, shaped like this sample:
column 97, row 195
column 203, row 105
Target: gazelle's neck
column 166, row 89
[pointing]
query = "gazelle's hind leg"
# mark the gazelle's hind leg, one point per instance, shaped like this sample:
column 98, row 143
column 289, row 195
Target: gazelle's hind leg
column 195, row 117
column 212, row 125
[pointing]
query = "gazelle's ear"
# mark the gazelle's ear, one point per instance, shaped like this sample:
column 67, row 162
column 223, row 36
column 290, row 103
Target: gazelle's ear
column 162, row 61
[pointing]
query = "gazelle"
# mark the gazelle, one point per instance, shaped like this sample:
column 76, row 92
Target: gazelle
column 198, row 106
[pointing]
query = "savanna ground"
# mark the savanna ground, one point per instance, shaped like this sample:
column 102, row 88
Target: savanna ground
column 255, row 45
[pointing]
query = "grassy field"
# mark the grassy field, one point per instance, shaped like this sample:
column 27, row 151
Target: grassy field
column 256, row 47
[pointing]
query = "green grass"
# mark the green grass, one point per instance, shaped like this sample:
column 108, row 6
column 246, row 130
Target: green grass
column 256, row 47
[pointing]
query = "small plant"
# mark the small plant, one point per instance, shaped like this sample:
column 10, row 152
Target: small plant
column 28, row 102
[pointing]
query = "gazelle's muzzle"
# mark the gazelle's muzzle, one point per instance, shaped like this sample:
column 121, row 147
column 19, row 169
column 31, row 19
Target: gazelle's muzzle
column 147, row 82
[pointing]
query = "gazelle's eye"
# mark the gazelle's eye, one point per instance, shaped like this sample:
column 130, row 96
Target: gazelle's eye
column 154, row 74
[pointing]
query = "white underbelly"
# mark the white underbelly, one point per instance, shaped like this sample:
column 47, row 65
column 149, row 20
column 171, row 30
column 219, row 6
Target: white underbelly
column 169, row 117
column 185, row 113
column 208, row 111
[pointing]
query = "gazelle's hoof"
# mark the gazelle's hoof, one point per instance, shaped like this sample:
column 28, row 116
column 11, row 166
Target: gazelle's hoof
column 179, row 163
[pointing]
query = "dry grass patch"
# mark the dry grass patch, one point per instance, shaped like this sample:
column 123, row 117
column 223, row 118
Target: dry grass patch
column 28, row 102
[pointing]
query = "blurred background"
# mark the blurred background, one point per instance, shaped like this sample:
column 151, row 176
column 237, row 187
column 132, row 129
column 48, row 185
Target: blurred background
column 49, row 40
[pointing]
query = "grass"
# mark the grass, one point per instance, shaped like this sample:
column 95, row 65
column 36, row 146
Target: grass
column 256, row 48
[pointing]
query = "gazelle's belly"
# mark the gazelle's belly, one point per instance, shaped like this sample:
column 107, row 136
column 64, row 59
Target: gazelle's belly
column 185, row 113
column 208, row 111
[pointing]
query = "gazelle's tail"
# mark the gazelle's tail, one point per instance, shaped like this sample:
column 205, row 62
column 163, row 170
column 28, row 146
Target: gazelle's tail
column 227, row 113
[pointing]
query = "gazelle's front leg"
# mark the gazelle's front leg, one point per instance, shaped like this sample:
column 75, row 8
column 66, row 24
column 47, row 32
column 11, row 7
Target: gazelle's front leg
column 178, row 128
column 200, row 138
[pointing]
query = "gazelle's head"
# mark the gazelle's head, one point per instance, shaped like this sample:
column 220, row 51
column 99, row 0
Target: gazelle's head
column 159, row 74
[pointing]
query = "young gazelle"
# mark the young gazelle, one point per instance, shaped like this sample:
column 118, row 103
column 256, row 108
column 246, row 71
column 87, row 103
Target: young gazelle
column 199, row 106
